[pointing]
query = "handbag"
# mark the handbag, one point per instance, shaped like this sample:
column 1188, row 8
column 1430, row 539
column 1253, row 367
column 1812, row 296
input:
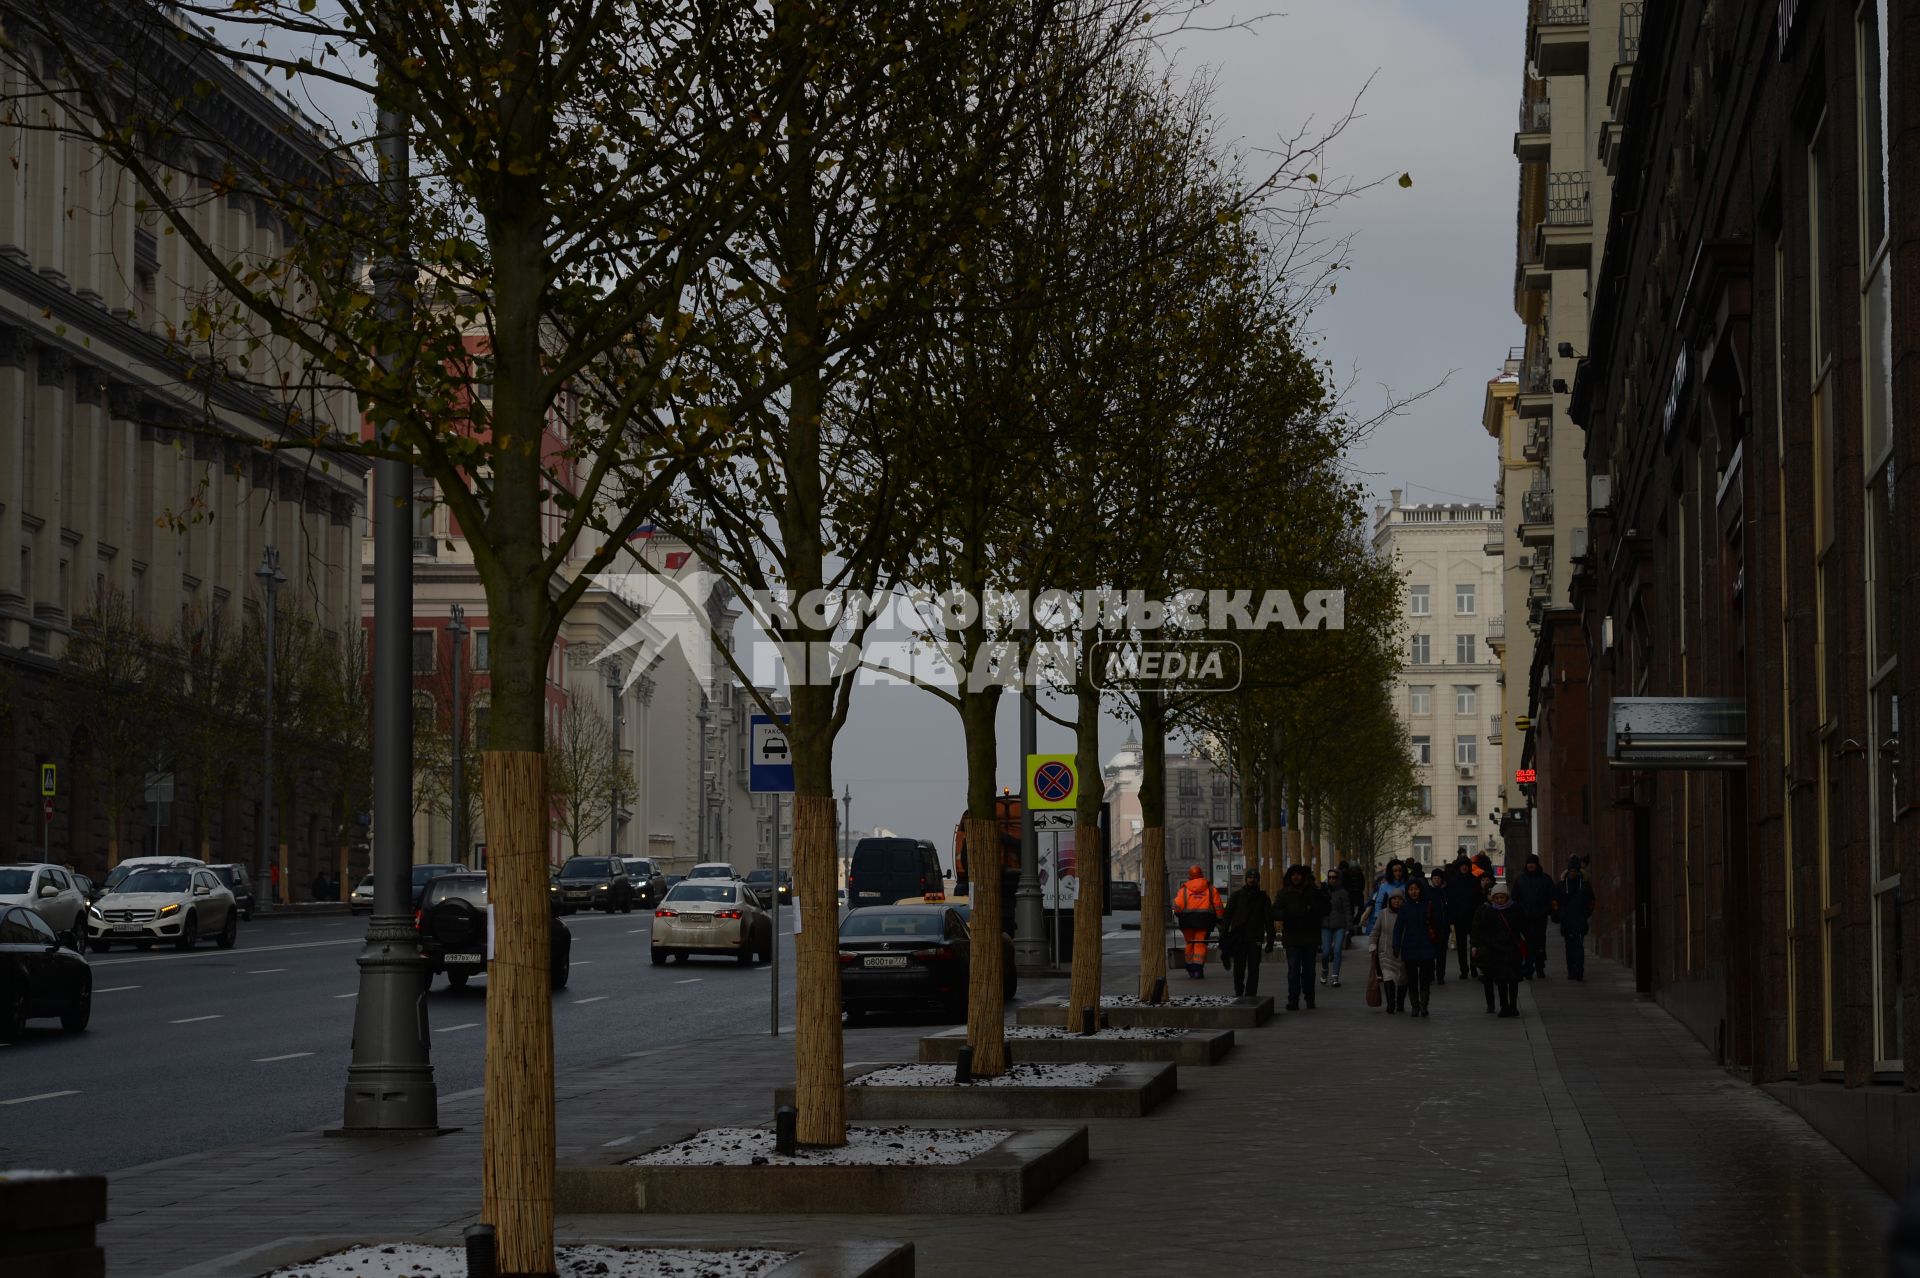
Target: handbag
column 1373, row 984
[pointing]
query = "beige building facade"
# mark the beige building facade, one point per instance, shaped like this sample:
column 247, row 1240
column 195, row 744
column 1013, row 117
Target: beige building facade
column 1449, row 692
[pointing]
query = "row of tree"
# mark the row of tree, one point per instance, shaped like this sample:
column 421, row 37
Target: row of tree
column 851, row 294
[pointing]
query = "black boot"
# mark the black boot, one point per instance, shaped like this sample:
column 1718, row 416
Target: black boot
column 1392, row 1000
column 1488, row 987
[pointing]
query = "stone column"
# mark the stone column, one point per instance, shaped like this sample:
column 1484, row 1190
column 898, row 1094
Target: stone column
column 14, row 155
column 163, row 541
column 122, row 478
column 15, row 346
column 86, row 471
column 47, row 493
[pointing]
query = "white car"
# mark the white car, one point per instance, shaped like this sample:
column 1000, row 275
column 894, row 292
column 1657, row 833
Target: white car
column 50, row 892
column 183, row 904
column 361, row 898
column 134, row 864
column 711, row 915
column 714, row 870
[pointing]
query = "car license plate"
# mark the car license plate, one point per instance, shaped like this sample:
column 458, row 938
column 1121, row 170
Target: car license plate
column 460, row 958
column 885, row 960
column 128, row 931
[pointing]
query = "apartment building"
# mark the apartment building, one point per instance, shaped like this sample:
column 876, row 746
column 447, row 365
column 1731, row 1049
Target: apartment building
column 134, row 484
column 1519, row 464
column 1202, row 798
column 1449, row 690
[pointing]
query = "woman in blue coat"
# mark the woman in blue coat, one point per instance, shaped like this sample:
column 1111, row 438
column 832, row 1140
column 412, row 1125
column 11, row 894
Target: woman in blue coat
column 1414, row 933
column 1392, row 883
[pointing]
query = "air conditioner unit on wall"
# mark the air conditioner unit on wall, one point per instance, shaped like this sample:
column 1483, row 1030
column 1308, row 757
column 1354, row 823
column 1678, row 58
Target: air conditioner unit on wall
column 1472, row 823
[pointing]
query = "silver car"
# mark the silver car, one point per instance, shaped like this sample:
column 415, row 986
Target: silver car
column 181, row 904
column 360, row 900
column 51, row 892
column 711, row 916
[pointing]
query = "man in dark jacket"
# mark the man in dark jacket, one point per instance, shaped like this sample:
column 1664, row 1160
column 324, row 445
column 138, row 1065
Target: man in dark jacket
column 1356, row 885
column 1298, row 910
column 1534, row 896
column 1246, row 931
column 1464, row 896
column 1576, row 912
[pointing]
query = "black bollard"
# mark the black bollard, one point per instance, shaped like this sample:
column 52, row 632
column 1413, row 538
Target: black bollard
column 1106, row 1021
column 963, row 1065
column 1086, row 1020
column 786, row 1124
column 482, row 1260
column 1159, row 991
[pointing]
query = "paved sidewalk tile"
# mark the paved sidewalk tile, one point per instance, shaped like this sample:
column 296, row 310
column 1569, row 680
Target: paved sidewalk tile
column 1591, row 1137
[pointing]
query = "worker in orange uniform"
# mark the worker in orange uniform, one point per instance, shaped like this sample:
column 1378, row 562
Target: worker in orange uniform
column 1197, row 905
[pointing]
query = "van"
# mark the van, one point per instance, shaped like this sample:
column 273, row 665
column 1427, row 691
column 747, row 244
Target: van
column 886, row 871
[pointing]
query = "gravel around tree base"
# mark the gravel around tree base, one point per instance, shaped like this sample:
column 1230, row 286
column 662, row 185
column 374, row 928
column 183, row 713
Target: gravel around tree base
column 1060, row 1032
column 1036, row 1074
column 865, row 1147
column 413, row 1260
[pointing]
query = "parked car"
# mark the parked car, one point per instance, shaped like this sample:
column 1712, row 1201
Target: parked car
column 452, row 923
column 240, row 883
column 595, row 883
column 50, row 892
column 425, row 874
column 704, row 916
column 713, row 870
column 39, row 975
column 1124, row 895
column 360, row 900
column 908, row 957
column 182, row 904
column 885, row 871
column 118, row 874
column 649, row 885
column 761, row 881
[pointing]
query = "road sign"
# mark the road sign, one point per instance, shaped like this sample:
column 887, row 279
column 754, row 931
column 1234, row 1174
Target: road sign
column 1051, row 782
column 1050, row 822
column 47, row 789
column 1225, row 839
column 769, row 756
column 46, row 808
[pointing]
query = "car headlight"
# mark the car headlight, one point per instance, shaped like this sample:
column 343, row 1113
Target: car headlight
column 606, row 887
column 93, row 911
column 165, row 910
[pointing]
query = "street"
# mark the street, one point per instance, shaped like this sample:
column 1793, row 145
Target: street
column 210, row 1048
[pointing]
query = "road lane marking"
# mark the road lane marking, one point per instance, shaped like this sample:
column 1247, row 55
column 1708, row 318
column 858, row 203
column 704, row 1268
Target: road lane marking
column 115, row 989
column 22, row 1100
column 468, row 1025
column 264, row 971
column 635, row 931
column 615, row 1143
column 595, row 999
column 192, row 954
column 290, row 1056
column 188, row 1020
column 351, row 994
column 690, row 980
column 581, row 962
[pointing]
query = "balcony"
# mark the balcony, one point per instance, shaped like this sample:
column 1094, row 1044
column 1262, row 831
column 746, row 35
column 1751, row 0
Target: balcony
column 1536, row 386
column 1564, row 240
column 1536, row 517
column 1539, row 445
column 426, row 548
column 1630, row 12
column 1493, row 729
column 1560, row 38
column 1496, row 543
column 1496, row 629
column 1534, row 139
column 1540, row 584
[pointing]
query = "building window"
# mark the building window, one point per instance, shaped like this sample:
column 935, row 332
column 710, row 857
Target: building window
column 482, row 650
column 1423, row 750
column 423, row 652
column 1423, row 848
column 1469, row 800
column 1426, row 800
column 1466, row 751
column 1420, row 601
column 482, row 720
column 1466, row 698
column 1420, row 699
column 1189, row 782
column 1463, row 600
column 1189, row 846
column 1422, row 650
column 1219, row 783
column 1464, row 649
column 1219, row 811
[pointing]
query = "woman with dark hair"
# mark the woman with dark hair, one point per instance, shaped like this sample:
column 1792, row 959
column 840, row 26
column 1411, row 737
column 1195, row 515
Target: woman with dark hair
column 1392, row 882
column 1386, row 959
column 1414, row 942
column 1499, row 948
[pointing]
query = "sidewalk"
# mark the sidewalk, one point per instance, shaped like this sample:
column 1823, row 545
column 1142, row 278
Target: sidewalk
column 1591, row 1137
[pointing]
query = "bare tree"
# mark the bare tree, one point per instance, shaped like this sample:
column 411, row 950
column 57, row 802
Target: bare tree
column 586, row 773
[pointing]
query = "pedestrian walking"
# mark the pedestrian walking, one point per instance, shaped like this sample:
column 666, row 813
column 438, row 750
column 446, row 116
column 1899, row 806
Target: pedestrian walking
column 1576, row 913
column 1386, row 960
column 320, row 885
column 1500, row 948
column 1356, row 884
column 1333, row 928
column 1534, row 895
column 1464, row 896
column 1197, row 906
column 1299, row 909
column 1440, row 910
column 273, row 873
column 1246, row 931
column 1394, row 880
column 1416, row 945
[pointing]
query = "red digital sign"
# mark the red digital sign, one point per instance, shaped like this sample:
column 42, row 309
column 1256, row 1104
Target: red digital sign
column 1523, row 776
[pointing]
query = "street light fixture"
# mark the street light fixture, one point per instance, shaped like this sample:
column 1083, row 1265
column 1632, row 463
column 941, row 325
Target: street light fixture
column 846, row 803
column 456, row 631
column 271, row 579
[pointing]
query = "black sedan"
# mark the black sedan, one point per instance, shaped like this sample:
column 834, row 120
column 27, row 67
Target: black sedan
column 39, row 976
column 1124, row 895
column 452, row 923
column 904, row 957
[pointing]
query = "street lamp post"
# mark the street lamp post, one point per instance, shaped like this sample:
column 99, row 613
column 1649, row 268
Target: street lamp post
column 390, row 1086
column 619, row 730
column 271, row 579
column 846, row 822
column 1029, row 912
column 457, row 630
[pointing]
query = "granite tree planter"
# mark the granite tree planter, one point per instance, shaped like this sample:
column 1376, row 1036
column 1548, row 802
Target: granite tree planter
column 1216, row 1012
column 1132, row 1090
column 1180, row 1047
column 46, row 1224
column 1006, row 1179
column 848, row 1259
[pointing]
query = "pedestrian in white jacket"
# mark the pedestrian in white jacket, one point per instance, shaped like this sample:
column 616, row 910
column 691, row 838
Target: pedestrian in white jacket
column 1393, row 973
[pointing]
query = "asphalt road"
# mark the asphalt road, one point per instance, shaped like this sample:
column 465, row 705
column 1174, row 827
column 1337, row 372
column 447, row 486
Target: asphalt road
column 197, row 1051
